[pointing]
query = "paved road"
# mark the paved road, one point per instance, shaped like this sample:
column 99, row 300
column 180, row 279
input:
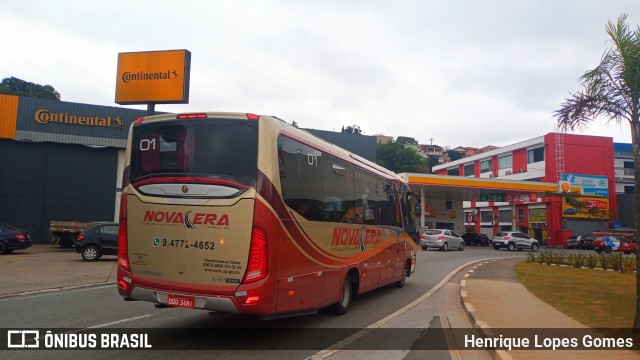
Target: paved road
column 409, row 315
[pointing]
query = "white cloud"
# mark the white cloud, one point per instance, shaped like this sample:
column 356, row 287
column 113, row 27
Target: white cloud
column 465, row 72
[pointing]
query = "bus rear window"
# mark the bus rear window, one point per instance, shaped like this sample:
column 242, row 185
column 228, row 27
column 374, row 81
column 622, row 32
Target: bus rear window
column 219, row 148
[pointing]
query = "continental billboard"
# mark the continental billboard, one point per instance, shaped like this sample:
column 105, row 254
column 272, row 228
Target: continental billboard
column 160, row 77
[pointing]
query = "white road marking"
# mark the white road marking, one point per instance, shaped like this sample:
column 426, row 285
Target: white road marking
column 135, row 318
column 341, row 344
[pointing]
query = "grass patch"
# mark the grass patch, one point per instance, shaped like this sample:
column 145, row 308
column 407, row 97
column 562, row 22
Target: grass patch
column 596, row 298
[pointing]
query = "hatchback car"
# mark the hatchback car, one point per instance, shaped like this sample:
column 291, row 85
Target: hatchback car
column 514, row 240
column 97, row 240
column 442, row 239
column 12, row 238
column 472, row 238
column 609, row 243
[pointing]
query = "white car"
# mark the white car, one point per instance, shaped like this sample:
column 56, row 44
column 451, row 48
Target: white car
column 514, row 240
column 442, row 239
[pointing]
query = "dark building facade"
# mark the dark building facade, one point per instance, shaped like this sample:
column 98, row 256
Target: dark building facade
column 64, row 161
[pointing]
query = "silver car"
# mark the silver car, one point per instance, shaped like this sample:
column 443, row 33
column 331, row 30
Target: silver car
column 513, row 240
column 442, row 239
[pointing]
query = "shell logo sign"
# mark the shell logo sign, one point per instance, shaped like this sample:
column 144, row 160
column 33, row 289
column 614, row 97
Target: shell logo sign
column 153, row 77
column 566, row 187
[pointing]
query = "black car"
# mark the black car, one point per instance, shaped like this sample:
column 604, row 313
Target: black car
column 97, row 240
column 12, row 238
column 585, row 242
column 472, row 238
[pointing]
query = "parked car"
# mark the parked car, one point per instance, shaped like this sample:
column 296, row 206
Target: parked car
column 609, row 243
column 581, row 242
column 442, row 239
column 97, row 240
column 12, row 238
column 586, row 242
column 513, row 240
column 472, row 238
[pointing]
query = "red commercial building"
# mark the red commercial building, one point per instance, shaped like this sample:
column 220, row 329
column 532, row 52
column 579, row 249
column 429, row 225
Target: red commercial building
column 582, row 163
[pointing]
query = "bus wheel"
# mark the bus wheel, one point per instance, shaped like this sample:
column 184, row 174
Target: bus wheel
column 342, row 307
column 400, row 283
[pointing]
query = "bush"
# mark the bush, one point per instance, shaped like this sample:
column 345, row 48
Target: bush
column 604, row 262
column 592, row 261
column 579, row 261
column 531, row 257
column 616, row 261
column 628, row 263
column 542, row 258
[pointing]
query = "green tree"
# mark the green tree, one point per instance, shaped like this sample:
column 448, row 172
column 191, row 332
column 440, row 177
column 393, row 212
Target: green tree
column 611, row 91
column 398, row 158
column 352, row 129
column 15, row 86
column 433, row 161
column 406, row 140
column 455, row 155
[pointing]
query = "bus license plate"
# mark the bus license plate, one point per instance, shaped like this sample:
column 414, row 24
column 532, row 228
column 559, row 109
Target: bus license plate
column 181, row 301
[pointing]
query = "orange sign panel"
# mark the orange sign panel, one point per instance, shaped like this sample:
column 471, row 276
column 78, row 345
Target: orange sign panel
column 160, row 77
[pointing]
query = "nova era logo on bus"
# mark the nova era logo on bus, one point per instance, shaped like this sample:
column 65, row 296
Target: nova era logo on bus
column 176, row 217
column 348, row 236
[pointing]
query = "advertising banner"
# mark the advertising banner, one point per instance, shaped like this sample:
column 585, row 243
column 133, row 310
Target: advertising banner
column 588, row 185
column 601, row 204
column 153, row 77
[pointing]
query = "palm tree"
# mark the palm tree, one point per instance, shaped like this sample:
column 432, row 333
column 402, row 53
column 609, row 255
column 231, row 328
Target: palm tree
column 611, row 92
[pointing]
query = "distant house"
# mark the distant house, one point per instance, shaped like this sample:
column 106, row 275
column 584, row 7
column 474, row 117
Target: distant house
column 383, row 139
column 431, row 150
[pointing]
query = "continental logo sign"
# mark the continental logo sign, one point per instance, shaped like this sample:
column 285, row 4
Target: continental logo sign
column 153, row 77
column 187, row 220
column 44, row 117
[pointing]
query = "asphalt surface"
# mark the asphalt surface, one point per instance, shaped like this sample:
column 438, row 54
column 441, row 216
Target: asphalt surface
column 487, row 292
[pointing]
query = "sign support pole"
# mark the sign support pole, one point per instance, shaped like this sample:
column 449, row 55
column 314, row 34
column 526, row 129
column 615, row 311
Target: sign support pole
column 151, row 109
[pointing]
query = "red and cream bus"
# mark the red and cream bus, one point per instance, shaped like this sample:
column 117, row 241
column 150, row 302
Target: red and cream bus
column 242, row 213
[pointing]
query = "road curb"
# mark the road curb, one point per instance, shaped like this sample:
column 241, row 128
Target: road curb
column 472, row 314
column 52, row 290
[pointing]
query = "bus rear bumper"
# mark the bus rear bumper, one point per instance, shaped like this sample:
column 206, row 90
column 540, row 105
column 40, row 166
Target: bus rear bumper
column 219, row 304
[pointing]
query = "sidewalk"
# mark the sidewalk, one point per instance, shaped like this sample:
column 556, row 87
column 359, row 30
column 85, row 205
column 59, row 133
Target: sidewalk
column 45, row 267
column 494, row 299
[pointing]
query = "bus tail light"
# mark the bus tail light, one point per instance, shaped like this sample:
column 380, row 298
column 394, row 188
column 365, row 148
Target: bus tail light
column 257, row 267
column 123, row 253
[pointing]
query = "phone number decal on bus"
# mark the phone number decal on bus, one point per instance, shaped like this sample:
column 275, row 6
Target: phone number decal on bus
column 185, row 244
